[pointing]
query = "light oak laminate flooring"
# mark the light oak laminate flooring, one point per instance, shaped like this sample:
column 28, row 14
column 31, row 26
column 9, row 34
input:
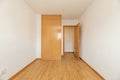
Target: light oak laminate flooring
column 69, row 68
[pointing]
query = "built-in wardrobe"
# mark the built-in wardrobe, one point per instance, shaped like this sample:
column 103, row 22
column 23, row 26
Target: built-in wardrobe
column 51, row 41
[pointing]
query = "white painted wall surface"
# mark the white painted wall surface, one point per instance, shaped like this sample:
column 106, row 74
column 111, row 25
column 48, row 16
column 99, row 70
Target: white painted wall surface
column 69, row 39
column 17, row 36
column 38, row 36
column 101, row 37
column 70, row 22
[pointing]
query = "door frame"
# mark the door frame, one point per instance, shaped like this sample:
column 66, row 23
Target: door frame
column 77, row 25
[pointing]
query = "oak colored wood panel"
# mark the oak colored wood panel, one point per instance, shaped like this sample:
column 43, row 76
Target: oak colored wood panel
column 69, row 68
column 51, row 45
column 77, row 38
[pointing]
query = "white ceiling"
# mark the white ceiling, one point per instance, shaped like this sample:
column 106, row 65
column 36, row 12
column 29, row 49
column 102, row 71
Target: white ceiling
column 69, row 9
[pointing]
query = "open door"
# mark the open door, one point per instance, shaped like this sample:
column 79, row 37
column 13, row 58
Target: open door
column 77, row 39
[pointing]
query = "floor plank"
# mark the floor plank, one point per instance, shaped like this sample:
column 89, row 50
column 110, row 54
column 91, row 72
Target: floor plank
column 69, row 68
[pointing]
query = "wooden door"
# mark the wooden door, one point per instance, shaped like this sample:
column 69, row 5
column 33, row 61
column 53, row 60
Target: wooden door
column 51, row 45
column 77, row 41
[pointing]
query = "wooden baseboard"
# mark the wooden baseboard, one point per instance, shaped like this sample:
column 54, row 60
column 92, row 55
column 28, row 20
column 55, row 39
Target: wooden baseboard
column 23, row 69
column 92, row 69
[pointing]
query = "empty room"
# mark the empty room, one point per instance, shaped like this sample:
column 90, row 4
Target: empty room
column 59, row 39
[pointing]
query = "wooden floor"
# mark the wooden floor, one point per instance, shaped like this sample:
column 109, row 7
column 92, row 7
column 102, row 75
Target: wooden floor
column 69, row 68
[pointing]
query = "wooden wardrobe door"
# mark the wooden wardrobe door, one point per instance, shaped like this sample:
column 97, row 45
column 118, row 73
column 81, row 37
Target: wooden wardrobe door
column 51, row 45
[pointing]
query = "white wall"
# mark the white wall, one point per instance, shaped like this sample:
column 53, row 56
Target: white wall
column 70, row 22
column 38, row 36
column 101, row 37
column 69, row 39
column 17, row 36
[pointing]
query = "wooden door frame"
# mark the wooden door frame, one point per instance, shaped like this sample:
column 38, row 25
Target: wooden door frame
column 77, row 25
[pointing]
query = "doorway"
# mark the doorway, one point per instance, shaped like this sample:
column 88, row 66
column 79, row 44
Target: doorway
column 68, row 39
column 71, row 40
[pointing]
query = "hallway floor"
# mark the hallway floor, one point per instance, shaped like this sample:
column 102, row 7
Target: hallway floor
column 69, row 68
